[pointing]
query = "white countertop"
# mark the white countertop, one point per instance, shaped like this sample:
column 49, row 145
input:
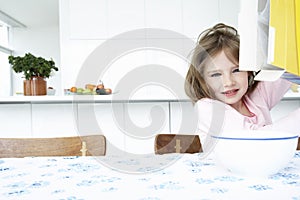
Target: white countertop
column 83, row 99
column 114, row 98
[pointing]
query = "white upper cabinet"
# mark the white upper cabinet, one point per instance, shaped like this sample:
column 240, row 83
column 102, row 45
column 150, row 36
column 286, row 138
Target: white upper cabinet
column 124, row 16
column 229, row 11
column 109, row 27
column 166, row 14
column 198, row 15
column 103, row 19
column 87, row 19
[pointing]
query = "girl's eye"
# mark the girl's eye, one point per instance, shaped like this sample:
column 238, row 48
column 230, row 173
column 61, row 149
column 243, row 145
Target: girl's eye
column 236, row 70
column 215, row 75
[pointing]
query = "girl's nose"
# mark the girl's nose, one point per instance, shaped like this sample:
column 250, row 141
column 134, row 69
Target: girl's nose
column 228, row 80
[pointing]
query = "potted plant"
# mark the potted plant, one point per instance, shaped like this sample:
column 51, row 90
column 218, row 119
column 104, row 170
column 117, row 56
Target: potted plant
column 35, row 71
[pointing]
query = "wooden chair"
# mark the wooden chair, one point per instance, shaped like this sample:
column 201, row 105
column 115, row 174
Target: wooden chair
column 90, row 145
column 177, row 143
column 298, row 147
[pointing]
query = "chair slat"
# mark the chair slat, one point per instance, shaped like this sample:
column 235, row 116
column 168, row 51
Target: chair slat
column 177, row 143
column 95, row 145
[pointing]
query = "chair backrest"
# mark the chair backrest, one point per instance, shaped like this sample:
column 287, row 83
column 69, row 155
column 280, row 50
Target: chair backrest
column 298, row 147
column 89, row 145
column 177, row 143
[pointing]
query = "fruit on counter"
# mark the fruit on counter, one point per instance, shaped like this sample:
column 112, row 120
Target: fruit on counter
column 100, row 91
column 87, row 91
column 100, row 86
column 108, row 90
column 73, row 89
column 104, row 91
column 91, row 89
column 80, row 90
column 90, row 86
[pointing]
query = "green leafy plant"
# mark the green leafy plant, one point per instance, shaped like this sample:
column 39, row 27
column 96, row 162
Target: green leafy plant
column 32, row 66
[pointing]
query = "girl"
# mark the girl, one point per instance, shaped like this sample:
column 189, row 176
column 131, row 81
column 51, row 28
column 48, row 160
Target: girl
column 226, row 98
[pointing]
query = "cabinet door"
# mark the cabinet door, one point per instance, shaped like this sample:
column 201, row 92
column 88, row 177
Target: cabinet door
column 165, row 14
column 142, row 122
column 228, row 12
column 183, row 118
column 54, row 120
column 106, row 119
column 124, row 16
column 87, row 19
column 198, row 15
column 15, row 120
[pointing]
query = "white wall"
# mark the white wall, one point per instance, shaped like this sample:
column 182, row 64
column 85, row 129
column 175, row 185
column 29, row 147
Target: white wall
column 40, row 41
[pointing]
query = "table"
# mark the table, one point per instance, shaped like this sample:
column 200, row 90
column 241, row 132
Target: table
column 142, row 177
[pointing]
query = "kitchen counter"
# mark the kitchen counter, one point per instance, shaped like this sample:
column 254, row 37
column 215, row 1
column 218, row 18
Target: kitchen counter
column 83, row 99
column 104, row 99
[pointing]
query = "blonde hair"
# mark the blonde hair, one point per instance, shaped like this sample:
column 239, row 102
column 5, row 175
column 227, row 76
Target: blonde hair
column 210, row 42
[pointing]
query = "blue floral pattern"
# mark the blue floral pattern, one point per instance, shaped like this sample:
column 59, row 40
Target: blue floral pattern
column 186, row 177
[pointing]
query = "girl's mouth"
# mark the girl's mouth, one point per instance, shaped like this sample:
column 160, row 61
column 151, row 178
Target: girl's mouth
column 230, row 93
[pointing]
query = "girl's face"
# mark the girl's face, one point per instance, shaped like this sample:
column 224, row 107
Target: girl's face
column 225, row 82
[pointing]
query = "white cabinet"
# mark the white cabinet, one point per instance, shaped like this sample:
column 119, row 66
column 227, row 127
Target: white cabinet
column 103, row 19
column 15, row 120
column 106, row 119
column 123, row 16
column 129, row 127
column 85, row 26
column 52, row 120
column 87, row 19
column 183, row 118
column 142, row 122
column 165, row 14
column 229, row 11
column 198, row 15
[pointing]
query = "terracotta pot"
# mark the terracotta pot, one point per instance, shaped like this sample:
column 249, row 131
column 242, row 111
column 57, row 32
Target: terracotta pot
column 35, row 86
column 27, row 87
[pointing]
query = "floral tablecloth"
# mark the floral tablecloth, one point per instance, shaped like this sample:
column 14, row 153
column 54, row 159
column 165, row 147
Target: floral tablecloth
column 146, row 177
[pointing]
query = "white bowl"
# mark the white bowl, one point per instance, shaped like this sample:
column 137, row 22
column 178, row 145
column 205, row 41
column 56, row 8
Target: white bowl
column 255, row 153
column 51, row 91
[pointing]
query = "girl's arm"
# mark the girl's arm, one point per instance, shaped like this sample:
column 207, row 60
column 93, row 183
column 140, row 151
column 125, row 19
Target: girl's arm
column 272, row 91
